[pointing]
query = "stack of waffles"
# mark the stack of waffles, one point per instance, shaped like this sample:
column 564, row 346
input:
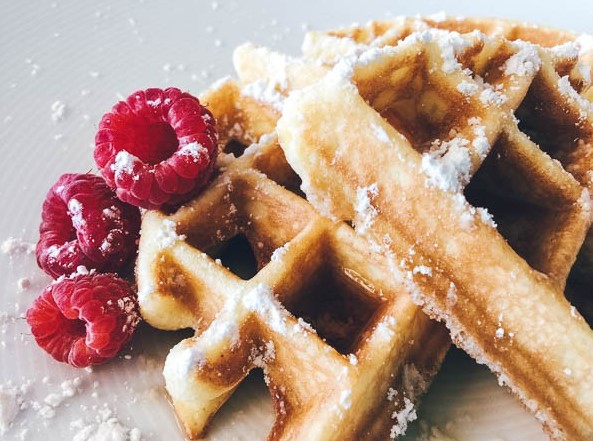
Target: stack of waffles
column 396, row 171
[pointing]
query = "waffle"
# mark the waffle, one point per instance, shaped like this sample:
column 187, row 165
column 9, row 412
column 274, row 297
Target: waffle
column 570, row 64
column 344, row 350
column 466, row 159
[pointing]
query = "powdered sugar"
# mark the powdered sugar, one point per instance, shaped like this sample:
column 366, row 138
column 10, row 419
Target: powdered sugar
column 261, row 300
column 264, row 91
column 403, row 417
column 194, row 149
column 490, row 96
column 526, row 62
column 47, row 408
column 124, row 163
column 58, row 111
column 448, row 165
column 566, row 89
column 279, row 253
column 364, row 210
column 75, row 211
column 467, row 88
column 105, row 427
column 10, row 404
column 585, row 43
column 15, row 246
column 480, row 143
column 167, row 235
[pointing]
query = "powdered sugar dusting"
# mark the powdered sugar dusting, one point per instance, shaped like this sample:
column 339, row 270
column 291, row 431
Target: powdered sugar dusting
column 403, row 417
column 363, row 207
column 448, row 166
column 105, row 427
column 10, row 404
column 566, row 89
column 526, row 62
column 279, row 253
column 585, row 43
column 58, row 111
column 490, row 96
column 13, row 246
column 167, row 235
column 467, row 88
column 261, row 300
column 194, row 149
column 124, row 163
column 264, row 91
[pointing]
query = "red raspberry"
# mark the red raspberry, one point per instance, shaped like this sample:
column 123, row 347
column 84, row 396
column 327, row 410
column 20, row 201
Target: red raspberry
column 84, row 223
column 84, row 319
column 157, row 148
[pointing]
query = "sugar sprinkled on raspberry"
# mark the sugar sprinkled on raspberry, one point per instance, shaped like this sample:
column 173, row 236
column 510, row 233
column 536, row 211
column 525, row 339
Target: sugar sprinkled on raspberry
column 84, row 223
column 84, row 319
column 157, row 148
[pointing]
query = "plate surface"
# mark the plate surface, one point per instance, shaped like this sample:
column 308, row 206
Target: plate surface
column 63, row 65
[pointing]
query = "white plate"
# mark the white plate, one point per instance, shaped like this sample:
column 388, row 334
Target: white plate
column 86, row 56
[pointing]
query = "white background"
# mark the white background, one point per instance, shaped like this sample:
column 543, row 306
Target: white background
column 87, row 55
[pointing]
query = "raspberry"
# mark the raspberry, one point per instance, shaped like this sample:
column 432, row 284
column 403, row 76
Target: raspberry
column 84, row 223
column 158, row 148
column 84, row 319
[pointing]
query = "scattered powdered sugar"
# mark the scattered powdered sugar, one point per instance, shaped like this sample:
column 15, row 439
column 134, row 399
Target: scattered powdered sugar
column 261, row 300
column 183, row 359
column 480, row 143
column 566, row 89
column 451, row 298
column 58, row 111
column 264, row 91
column 75, row 211
column 422, row 269
column 491, row 96
column 485, row 216
column 467, row 88
column 11, row 400
column 499, row 333
column 105, row 427
column 585, row 72
column 124, row 163
column 526, row 62
column 451, row 44
column 279, row 252
column 14, row 246
column 567, row 50
column 448, row 166
column 585, row 43
column 23, row 284
column 352, row 359
column 381, row 134
column 194, row 149
column 68, row 389
column 344, row 403
column 386, row 328
column 403, row 417
column 263, row 355
column 364, row 211
column 167, row 235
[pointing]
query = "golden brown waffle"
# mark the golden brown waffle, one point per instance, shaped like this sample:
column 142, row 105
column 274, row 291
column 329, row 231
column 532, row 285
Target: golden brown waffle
column 567, row 70
column 344, row 350
column 427, row 129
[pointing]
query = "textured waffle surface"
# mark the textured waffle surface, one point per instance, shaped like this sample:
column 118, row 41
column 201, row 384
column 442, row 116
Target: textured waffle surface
column 344, row 350
column 478, row 152
column 437, row 162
